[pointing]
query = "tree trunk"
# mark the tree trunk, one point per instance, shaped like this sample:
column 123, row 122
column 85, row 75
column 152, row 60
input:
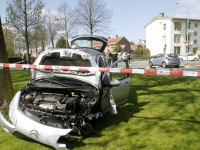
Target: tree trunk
column 6, row 92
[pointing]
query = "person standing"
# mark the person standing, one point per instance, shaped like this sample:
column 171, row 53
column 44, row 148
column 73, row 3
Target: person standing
column 114, row 56
column 129, row 58
column 108, row 57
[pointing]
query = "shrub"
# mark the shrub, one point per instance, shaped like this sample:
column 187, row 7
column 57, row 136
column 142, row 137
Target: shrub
column 14, row 59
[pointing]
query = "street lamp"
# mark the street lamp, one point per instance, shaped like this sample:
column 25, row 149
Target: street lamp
column 186, row 42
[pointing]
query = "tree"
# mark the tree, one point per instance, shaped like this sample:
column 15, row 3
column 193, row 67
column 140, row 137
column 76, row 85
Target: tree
column 6, row 92
column 23, row 15
column 132, row 43
column 61, row 43
column 9, row 37
column 118, row 48
column 39, row 37
column 66, row 21
column 51, row 25
column 140, row 51
column 93, row 16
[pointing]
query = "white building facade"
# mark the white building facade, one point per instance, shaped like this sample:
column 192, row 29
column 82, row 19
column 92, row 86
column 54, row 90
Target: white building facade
column 167, row 35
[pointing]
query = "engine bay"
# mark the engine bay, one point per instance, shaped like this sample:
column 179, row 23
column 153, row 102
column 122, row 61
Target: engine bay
column 61, row 108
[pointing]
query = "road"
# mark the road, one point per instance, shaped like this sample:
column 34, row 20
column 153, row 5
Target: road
column 144, row 64
column 191, row 65
column 139, row 64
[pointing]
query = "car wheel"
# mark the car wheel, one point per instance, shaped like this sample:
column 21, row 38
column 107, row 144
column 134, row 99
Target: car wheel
column 195, row 59
column 150, row 64
column 177, row 66
column 164, row 65
column 181, row 59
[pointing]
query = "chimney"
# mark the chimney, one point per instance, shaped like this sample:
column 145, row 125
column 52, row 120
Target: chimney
column 161, row 14
column 116, row 36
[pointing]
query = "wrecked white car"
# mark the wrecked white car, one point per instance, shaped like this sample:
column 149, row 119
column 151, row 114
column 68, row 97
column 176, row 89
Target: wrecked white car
column 58, row 102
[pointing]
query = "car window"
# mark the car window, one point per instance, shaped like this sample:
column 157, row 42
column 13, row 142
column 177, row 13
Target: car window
column 121, row 65
column 173, row 55
column 88, row 42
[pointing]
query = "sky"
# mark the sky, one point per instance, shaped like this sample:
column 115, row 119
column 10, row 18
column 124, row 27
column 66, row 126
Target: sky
column 130, row 16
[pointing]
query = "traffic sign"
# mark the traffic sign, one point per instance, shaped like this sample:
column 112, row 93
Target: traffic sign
column 187, row 43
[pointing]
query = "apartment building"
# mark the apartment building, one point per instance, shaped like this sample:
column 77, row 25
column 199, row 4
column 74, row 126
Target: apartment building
column 167, row 34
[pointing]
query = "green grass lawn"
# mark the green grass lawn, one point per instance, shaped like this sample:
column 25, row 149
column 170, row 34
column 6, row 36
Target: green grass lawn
column 162, row 113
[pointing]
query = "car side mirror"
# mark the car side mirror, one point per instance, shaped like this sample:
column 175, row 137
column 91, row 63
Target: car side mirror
column 115, row 82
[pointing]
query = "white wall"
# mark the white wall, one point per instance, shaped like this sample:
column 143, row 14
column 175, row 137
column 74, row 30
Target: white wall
column 155, row 33
column 154, row 37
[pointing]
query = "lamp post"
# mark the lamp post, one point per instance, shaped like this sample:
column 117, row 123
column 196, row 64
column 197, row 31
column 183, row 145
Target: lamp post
column 186, row 42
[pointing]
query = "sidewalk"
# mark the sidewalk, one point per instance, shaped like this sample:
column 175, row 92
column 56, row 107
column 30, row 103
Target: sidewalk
column 189, row 64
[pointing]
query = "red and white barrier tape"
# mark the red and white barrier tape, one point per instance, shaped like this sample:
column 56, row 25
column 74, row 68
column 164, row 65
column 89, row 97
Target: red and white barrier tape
column 96, row 69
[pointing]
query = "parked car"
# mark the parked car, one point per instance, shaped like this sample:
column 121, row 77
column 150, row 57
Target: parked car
column 57, row 102
column 191, row 56
column 165, row 60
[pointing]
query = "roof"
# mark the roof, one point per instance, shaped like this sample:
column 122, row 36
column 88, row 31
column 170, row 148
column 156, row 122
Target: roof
column 115, row 40
column 133, row 47
column 142, row 42
column 166, row 18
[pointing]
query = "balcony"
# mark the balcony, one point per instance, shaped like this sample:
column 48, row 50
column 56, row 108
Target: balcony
column 190, row 31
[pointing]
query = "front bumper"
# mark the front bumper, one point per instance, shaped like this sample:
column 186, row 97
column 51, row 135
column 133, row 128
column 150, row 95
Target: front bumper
column 30, row 128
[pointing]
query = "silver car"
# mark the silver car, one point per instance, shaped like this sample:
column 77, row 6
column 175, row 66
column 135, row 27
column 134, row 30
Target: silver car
column 165, row 60
column 59, row 100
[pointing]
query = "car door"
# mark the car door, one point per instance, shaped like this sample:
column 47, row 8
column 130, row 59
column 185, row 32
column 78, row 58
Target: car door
column 120, row 93
column 160, row 59
column 155, row 59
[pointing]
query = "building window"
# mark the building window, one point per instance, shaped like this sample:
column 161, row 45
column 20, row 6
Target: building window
column 188, row 38
column 177, row 50
column 164, row 39
column 177, row 38
column 195, row 33
column 195, row 41
column 196, row 25
column 177, row 26
column 164, row 26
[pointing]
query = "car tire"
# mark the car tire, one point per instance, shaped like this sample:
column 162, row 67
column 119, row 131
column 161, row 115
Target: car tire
column 195, row 59
column 164, row 65
column 177, row 66
column 150, row 64
column 181, row 59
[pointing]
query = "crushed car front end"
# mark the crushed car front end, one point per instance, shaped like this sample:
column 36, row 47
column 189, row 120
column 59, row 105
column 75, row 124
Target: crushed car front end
column 56, row 102
column 22, row 125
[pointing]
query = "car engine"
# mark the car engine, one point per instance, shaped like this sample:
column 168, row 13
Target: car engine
column 74, row 109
